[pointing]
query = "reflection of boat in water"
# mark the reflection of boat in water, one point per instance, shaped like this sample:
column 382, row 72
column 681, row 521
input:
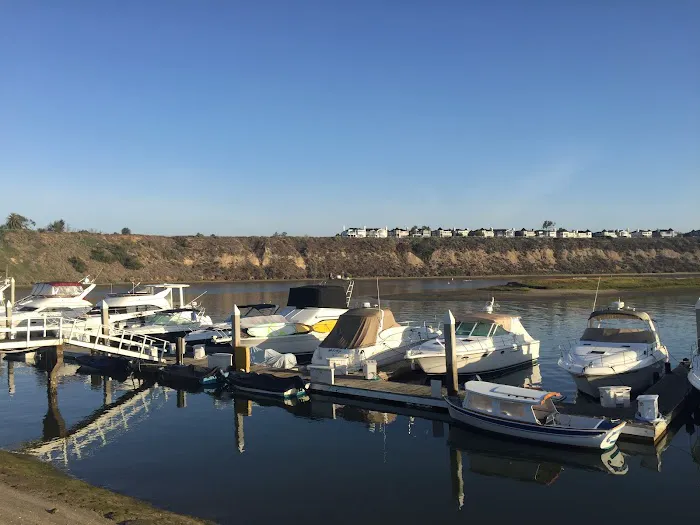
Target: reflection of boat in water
column 525, row 461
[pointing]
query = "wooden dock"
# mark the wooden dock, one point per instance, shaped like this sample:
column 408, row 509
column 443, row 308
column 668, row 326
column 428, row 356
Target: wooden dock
column 418, row 400
column 674, row 391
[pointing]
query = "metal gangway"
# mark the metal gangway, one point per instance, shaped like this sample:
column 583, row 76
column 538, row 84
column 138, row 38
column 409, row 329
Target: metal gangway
column 53, row 331
column 105, row 425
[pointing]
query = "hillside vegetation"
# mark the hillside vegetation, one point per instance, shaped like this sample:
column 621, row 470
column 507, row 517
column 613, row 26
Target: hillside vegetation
column 32, row 256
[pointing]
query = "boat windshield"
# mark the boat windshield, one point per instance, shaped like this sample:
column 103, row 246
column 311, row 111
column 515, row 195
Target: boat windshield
column 473, row 329
column 629, row 324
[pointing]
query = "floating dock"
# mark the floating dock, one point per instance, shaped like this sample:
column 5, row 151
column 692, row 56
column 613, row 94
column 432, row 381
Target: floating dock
column 674, row 391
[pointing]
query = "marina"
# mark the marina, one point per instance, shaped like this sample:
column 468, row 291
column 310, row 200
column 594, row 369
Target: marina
column 398, row 391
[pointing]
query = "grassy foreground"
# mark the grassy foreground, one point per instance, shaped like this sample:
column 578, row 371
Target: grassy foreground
column 28, row 474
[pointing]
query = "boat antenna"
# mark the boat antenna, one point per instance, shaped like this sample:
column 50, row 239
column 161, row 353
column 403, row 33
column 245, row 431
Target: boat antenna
column 379, row 300
column 595, row 299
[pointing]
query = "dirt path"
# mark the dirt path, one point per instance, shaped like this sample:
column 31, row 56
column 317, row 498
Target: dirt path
column 22, row 508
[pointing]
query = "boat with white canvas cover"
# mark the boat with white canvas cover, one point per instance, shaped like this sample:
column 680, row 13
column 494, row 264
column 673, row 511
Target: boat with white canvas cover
column 368, row 334
column 529, row 414
column 53, row 299
column 620, row 347
column 310, row 314
column 485, row 343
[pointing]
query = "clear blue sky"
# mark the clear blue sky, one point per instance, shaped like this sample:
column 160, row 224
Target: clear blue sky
column 246, row 117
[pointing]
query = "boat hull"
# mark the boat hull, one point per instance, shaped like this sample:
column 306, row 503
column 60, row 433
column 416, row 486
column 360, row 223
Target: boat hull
column 301, row 345
column 638, row 380
column 499, row 360
column 597, row 439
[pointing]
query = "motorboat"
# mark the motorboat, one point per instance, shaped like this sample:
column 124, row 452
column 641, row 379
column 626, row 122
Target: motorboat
column 368, row 334
column 485, row 343
column 124, row 307
column 171, row 324
column 529, row 414
column 528, row 461
column 310, row 314
column 53, row 299
column 620, row 347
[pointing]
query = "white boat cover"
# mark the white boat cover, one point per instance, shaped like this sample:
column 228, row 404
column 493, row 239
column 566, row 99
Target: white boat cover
column 268, row 357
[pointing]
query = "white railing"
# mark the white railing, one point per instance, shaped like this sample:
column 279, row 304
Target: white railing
column 34, row 325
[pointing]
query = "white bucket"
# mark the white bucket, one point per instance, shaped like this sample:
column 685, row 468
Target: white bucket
column 199, row 352
column 614, row 396
column 648, row 407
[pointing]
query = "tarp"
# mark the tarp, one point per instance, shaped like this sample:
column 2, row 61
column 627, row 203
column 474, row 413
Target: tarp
column 358, row 328
column 506, row 321
column 317, row 296
column 272, row 359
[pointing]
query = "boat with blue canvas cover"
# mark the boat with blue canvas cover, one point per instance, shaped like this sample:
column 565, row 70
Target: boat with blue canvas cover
column 530, row 414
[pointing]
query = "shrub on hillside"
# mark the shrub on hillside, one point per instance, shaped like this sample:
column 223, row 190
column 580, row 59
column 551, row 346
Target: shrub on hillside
column 78, row 264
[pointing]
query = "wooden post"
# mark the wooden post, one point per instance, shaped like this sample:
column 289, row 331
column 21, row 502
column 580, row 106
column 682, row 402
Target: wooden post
column 236, row 327
column 450, row 354
column 12, row 290
column 241, row 354
column 8, row 317
column 105, row 318
column 180, row 357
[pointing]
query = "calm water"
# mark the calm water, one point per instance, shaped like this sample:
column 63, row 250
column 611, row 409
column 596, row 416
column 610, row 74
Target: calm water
column 242, row 461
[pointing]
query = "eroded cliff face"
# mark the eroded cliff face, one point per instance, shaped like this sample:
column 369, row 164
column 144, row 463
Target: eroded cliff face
column 32, row 256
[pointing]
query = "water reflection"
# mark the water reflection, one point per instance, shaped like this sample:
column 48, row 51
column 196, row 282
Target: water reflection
column 530, row 462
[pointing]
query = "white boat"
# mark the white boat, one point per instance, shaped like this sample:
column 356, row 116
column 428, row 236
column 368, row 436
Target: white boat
column 485, row 343
column 620, row 347
column 364, row 334
column 298, row 328
column 170, row 325
column 141, row 302
column 53, row 299
column 529, row 414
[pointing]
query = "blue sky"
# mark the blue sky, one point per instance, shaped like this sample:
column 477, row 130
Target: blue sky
column 245, row 118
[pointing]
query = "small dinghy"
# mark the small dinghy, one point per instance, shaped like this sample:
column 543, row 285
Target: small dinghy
column 267, row 384
column 530, row 414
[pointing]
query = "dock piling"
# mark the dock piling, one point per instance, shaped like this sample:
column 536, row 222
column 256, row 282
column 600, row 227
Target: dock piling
column 451, row 354
column 12, row 290
column 8, row 317
column 105, row 318
column 241, row 354
column 236, row 327
column 180, row 355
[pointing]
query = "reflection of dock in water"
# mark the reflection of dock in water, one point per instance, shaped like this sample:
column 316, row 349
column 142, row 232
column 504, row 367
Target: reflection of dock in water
column 102, row 426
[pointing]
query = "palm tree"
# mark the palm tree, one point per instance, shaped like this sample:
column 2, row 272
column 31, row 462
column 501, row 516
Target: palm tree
column 15, row 221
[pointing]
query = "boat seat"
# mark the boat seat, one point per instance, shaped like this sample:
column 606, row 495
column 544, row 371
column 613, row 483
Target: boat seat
column 542, row 415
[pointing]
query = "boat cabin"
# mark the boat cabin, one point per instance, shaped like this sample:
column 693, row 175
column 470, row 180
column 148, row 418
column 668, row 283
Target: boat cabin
column 510, row 402
column 619, row 325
